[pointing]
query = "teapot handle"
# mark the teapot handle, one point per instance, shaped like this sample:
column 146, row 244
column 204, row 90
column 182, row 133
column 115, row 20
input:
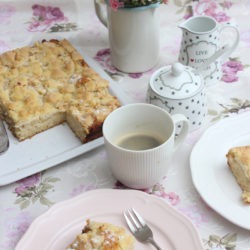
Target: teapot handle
column 100, row 12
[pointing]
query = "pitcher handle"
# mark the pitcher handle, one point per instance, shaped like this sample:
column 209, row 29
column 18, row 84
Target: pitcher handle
column 225, row 50
column 100, row 12
column 177, row 118
column 230, row 49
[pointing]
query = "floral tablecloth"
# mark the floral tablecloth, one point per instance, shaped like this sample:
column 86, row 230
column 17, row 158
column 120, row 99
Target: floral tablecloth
column 22, row 22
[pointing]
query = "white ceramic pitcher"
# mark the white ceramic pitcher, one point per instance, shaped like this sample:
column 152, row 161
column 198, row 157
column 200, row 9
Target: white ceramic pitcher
column 200, row 40
column 133, row 36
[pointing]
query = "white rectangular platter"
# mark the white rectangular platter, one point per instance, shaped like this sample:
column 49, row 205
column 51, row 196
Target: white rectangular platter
column 50, row 147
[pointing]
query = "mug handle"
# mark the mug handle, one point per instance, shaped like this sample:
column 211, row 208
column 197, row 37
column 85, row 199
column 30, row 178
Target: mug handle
column 235, row 43
column 100, row 12
column 184, row 131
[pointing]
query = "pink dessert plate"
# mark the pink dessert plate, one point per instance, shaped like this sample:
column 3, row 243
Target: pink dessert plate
column 57, row 227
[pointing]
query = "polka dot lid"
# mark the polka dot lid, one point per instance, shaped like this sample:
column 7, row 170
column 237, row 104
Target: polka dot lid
column 176, row 82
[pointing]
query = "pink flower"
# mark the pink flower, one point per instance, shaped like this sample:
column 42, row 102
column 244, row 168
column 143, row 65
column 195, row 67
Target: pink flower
column 135, row 75
column 220, row 17
column 27, row 182
column 31, row 180
column 115, row 4
column 45, row 17
column 230, row 70
column 234, row 66
column 103, row 52
column 173, row 198
column 14, row 228
column 54, row 14
column 104, row 58
column 47, row 13
column 229, row 78
column 20, row 189
column 39, row 26
column 227, row 4
column 6, row 11
column 207, row 7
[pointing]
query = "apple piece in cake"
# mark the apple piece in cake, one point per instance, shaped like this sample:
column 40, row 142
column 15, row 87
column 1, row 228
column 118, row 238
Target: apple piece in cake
column 238, row 159
column 49, row 83
column 102, row 236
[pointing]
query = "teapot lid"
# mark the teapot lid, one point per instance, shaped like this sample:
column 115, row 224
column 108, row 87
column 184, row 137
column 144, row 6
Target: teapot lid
column 176, row 82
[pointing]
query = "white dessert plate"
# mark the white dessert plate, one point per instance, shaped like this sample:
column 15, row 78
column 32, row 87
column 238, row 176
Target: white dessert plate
column 50, row 147
column 210, row 173
column 57, row 227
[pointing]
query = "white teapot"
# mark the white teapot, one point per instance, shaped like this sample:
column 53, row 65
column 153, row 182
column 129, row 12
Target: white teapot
column 179, row 89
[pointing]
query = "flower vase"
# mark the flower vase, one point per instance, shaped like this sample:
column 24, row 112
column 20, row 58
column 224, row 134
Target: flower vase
column 133, row 37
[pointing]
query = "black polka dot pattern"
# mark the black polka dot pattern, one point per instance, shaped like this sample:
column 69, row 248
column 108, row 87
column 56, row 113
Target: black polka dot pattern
column 192, row 42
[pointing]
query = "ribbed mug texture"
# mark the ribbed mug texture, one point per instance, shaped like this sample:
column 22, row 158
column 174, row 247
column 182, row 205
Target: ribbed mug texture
column 140, row 169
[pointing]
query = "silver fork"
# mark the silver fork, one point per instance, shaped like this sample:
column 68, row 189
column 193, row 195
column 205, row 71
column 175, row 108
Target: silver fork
column 139, row 228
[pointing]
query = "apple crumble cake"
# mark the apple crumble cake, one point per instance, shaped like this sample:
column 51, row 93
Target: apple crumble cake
column 48, row 83
column 238, row 159
column 102, row 236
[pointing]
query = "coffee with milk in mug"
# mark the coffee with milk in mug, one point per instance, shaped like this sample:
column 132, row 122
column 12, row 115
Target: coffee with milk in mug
column 139, row 141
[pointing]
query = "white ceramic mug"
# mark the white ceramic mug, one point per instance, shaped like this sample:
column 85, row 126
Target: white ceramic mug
column 201, row 39
column 133, row 36
column 142, row 167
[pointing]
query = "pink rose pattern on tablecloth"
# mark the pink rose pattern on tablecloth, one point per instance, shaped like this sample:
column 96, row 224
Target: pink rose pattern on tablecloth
column 230, row 70
column 49, row 19
column 158, row 190
column 14, row 228
column 6, row 12
column 44, row 19
column 34, row 188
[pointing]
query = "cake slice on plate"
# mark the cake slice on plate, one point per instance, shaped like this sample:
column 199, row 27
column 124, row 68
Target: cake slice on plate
column 48, row 83
column 102, row 236
column 238, row 159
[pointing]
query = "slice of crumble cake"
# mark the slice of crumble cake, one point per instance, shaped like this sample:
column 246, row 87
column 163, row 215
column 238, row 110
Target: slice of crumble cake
column 102, row 236
column 49, row 83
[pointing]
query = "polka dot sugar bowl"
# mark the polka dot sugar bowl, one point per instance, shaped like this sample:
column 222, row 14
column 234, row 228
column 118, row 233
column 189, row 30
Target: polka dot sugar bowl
column 179, row 90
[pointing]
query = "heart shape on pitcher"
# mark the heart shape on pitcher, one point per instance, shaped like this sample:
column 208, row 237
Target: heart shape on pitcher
column 192, row 60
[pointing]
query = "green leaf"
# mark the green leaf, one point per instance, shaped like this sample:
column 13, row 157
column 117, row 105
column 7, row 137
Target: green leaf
column 24, row 204
column 236, row 100
column 229, row 238
column 178, row 3
column 53, row 179
column 45, row 201
column 34, row 199
column 230, row 247
column 214, row 238
column 212, row 112
column 19, row 200
column 216, row 119
column 47, row 186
